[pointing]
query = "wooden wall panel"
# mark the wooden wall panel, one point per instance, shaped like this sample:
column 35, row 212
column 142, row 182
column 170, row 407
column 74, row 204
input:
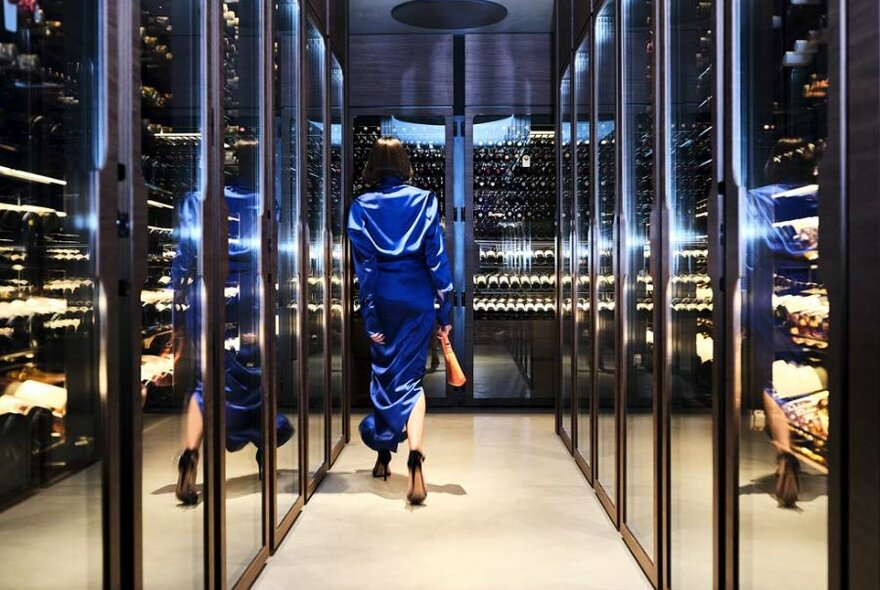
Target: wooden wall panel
column 582, row 11
column 401, row 70
column 319, row 8
column 509, row 70
column 563, row 35
column 862, row 461
column 337, row 16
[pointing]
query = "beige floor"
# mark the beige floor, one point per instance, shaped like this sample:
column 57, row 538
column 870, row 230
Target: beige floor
column 507, row 509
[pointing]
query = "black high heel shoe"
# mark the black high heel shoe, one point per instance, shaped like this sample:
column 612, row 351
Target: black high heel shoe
column 187, row 466
column 381, row 468
column 417, row 492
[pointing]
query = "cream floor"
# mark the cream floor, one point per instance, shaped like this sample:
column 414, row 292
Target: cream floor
column 507, row 509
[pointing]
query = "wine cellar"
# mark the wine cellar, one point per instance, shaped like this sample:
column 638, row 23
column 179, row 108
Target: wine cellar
column 660, row 219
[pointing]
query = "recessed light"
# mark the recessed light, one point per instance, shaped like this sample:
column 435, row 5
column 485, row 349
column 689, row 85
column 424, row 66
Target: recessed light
column 449, row 14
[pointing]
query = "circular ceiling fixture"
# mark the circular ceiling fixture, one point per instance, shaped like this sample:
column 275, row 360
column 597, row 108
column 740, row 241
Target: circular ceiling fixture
column 449, row 14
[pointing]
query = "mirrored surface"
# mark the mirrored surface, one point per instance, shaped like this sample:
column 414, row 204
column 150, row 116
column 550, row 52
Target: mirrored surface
column 784, row 437
column 287, row 216
column 605, row 189
column 337, row 231
column 514, row 282
column 583, row 231
column 691, row 332
column 425, row 140
column 637, row 194
column 51, row 146
column 316, row 224
column 172, row 299
column 243, row 195
column 566, row 248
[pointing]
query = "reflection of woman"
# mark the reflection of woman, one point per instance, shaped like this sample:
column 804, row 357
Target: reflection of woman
column 242, row 382
column 794, row 162
column 401, row 267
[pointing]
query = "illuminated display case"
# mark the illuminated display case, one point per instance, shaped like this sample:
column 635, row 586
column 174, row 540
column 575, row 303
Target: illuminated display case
column 511, row 293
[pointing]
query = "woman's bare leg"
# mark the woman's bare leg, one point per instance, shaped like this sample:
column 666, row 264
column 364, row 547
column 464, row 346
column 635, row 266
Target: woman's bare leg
column 779, row 431
column 415, row 427
column 194, row 425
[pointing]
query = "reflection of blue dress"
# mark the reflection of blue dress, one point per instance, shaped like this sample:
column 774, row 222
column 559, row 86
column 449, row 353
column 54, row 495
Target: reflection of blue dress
column 401, row 264
column 243, row 384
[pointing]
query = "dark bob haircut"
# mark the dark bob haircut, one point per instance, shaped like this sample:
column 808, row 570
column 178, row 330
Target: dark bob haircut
column 388, row 158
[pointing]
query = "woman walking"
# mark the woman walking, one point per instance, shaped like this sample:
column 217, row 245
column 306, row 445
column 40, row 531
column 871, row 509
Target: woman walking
column 402, row 268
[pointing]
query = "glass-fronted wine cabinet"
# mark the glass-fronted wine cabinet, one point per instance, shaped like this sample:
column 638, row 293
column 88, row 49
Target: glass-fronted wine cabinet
column 703, row 352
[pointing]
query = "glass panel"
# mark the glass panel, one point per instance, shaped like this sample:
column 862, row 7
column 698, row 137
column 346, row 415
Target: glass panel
column 583, row 228
column 514, row 215
column 691, row 331
column 425, row 139
column 316, row 207
column 606, row 192
column 565, row 233
column 50, row 151
column 638, row 287
column 244, row 329
column 287, row 207
column 172, row 109
column 783, row 463
column 337, row 230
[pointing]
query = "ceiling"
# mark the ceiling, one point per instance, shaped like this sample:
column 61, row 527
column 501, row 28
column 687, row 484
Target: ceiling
column 373, row 17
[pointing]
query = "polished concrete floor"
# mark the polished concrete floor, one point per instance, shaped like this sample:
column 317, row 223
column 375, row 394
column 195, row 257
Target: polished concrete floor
column 507, row 509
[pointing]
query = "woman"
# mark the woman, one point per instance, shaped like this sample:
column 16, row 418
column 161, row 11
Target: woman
column 402, row 268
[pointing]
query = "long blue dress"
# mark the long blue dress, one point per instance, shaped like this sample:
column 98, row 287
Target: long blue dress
column 243, row 376
column 402, row 267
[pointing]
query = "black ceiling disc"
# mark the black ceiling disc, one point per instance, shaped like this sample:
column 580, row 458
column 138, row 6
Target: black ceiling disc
column 449, row 14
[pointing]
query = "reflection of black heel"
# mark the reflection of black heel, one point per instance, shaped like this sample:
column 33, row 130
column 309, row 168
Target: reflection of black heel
column 187, row 466
column 381, row 468
column 259, row 458
column 788, row 479
column 417, row 490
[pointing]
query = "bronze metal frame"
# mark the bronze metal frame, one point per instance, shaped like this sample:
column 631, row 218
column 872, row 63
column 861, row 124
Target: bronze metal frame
column 584, row 463
column 648, row 562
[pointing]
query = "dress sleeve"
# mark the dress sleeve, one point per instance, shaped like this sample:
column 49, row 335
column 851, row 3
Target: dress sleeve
column 364, row 255
column 438, row 262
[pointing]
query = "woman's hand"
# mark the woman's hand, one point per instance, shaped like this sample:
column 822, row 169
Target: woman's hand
column 444, row 330
column 378, row 338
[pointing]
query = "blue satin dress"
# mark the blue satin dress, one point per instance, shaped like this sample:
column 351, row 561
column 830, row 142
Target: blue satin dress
column 243, row 375
column 402, row 267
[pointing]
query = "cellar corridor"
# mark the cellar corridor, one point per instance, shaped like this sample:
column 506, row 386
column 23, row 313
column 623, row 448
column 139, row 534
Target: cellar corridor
column 507, row 509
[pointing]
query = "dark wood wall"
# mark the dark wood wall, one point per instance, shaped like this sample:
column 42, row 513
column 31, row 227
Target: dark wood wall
column 861, row 374
column 418, row 70
column 563, row 18
column 318, row 12
column 401, row 70
column 509, row 70
column 337, row 17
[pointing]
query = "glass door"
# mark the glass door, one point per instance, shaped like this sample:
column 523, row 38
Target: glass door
column 288, row 302
column 583, row 282
column 689, row 292
column 780, row 134
column 315, row 94
column 425, row 139
column 637, row 293
column 566, row 230
column 243, row 195
column 513, row 306
column 337, row 231
column 605, row 191
column 172, row 297
column 51, row 149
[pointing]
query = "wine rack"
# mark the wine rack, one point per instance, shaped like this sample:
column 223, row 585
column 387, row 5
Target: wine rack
column 49, row 132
